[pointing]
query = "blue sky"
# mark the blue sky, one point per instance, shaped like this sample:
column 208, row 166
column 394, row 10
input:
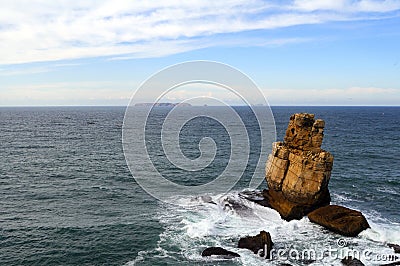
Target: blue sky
column 342, row 52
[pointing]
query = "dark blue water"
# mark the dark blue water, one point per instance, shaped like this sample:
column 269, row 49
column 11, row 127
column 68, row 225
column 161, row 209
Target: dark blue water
column 68, row 198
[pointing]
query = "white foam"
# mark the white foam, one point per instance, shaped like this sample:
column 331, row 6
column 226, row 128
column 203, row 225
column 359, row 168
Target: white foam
column 221, row 220
column 385, row 233
column 387, row 190
column 341, row 198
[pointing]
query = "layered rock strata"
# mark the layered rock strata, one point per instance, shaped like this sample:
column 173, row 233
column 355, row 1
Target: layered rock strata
column 298, row 170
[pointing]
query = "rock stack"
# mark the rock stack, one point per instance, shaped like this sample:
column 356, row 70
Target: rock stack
column 298, row 173
column 298, row 170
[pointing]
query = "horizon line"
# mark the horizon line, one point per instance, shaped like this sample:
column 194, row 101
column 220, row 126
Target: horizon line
column 277, row 105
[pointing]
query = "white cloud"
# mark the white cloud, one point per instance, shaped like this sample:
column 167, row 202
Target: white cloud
column 25, row 71
column 378, row 6
column 334, row 96
column 311, row 5
column 40, row 30
column 18, row 70
column 67, row 93
column 348, row 5
column 119, row 93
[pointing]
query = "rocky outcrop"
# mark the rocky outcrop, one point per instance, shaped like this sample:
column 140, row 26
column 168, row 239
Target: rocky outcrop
column 395, row 247
column 218, row 251
column 350, row 261
column 290, row 210
column 298, row 170
column 340, row 219
column 260, row 244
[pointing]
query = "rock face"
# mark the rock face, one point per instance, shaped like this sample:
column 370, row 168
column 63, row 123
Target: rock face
column 218, row 251
column 339, row 219
column 298, row 170
column 260, row 244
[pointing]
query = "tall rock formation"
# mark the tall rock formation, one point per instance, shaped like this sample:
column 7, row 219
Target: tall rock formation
column 298, row 170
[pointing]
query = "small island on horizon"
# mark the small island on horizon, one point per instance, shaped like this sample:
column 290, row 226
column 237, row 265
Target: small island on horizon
column 162, row 104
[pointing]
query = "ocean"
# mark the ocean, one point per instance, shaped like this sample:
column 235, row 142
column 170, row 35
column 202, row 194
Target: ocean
column 67, row 196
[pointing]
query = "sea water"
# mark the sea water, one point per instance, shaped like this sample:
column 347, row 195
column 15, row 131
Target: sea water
column 67, row 196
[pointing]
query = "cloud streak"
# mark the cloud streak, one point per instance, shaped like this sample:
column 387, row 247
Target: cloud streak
column 334, row 96
column 347, row 5
column 57, row 30
column 66, row 93
column 118, row 93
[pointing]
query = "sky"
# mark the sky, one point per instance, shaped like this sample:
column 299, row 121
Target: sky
column 298, row 52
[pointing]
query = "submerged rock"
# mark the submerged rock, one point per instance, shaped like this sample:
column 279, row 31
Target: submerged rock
column 218, row 251
column 340, row 220
column 233, row 204
column 260, row 244
column 204, row 198
column 256, row 197
column 350, row 261
column 298, row 170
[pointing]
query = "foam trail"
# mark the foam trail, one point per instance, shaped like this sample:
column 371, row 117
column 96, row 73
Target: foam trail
column 220, row 220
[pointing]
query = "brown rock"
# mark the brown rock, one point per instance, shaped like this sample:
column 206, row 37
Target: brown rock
column 290, row 210
column 298, row 170
column 350, row 261
column 340, row 220
column 260, row 244
column 304, row 132
column 218, row 251
column 395, row 247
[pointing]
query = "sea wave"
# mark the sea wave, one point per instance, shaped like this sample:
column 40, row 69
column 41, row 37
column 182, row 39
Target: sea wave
column 221, row 220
